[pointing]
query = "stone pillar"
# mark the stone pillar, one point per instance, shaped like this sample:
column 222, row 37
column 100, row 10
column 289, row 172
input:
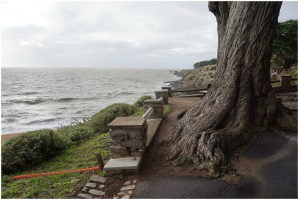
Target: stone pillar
column 128, row 136
column 163, row 94
column 285, row 80
column 156, row 104
column 169, row 90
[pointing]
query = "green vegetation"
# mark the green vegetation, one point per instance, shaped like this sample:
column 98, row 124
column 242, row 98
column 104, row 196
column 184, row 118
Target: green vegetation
column 30, row 149
column 285, row 44
column 205, row 63
column 118, row 176
column 69, row 147
column 139, row 102
column 99, row 122
column 59, row 186
column 34, row 147
column 198, row 77
column 167, row 110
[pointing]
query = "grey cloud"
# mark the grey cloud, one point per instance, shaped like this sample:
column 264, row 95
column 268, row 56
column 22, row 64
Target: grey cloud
column 114, row 34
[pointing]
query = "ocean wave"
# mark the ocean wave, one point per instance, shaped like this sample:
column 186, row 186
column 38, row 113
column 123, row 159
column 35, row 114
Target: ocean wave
column 82, row 111
column 9, row 120
column 28, row 93
column 43, row 121
column 66, row 99
column 125, row 93
column 69, row 99
column 33, row 102
column 26, row 101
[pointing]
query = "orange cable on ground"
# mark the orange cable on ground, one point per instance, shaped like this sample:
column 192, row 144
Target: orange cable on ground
column 53, row 173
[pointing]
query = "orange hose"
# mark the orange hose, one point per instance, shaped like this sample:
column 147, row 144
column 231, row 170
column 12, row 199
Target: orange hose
column 53, row 173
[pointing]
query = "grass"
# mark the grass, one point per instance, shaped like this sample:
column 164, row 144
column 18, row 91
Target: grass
column 167, row 110
column 79, row 153
column 59, row 186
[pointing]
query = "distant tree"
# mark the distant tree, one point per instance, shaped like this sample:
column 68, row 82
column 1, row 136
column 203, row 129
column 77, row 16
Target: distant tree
column 285, row 44
column 204, row 63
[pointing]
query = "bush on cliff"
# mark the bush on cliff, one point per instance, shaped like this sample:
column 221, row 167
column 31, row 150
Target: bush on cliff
column 139, row 102
column 74, row 134
column 29, row 149
column 99, row 122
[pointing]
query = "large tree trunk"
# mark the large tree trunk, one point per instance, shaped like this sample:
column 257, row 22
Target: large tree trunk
column 241, row 96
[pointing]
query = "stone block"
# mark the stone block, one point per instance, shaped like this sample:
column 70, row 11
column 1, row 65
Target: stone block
column 168, row 88
column 116, row 142
column 163, row 94
column 122, row 193
column 96, row 192
column 84, row 189
column 118, row 134
column 157, row 105
column 101, row 186
column 125, row 133
column 137, row 133
column 91, row 185
column 84, row 196
column 127, row 122
column 127, row 183
column 136, row 143
column 125, row 163
column 133, row 149
column 117, row 150
column 127, row 187
column 97, row 178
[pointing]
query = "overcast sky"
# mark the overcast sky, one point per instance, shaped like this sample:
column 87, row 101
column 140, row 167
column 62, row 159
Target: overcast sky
column 169, row 34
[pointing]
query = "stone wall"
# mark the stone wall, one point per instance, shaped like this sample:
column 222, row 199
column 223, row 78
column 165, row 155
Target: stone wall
column 158, row 106
column 128, row 136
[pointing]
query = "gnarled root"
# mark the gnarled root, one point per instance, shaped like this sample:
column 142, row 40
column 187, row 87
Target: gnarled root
column 209, row 149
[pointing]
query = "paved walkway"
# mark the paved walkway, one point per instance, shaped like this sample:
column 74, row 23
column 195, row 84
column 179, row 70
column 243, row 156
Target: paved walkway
column 269, row 169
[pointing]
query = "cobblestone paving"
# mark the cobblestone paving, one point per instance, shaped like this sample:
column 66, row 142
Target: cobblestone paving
column 126, row 191
column 93, row 189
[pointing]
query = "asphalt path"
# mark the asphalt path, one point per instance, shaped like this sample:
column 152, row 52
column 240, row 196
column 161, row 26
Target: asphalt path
column 269, row 169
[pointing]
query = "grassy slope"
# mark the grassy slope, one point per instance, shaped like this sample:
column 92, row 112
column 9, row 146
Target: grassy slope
column 63, row 186
column 59, row 186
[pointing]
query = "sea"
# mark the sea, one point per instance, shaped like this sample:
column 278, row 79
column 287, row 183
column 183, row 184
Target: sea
column 37, row 98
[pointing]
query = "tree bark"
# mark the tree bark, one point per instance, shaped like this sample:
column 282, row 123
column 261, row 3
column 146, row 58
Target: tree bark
column 241, row 96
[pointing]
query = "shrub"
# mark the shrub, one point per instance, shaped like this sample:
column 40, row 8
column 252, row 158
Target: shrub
column 75, row 133
column 29, row 149
column 99, row 122
column 140, row 101
column 80, row 133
